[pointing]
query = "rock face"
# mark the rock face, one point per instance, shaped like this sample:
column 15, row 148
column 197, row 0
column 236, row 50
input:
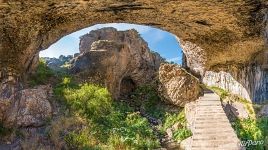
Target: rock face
column 177, row 86
column 264, row 111
column 222, row 29
column 31, row 109
column 249, row 81
column 226, row 31
column 119, row 60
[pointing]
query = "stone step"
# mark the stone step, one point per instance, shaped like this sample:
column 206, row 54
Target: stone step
column 212, row 124
column 206, row 130
column 211, row 121
column 207, row 112
column 209, row 107
column 211, row 114
column 214, row 143
column 203, row 118
column 214, row 137
column 212, row 132
column 212, row 129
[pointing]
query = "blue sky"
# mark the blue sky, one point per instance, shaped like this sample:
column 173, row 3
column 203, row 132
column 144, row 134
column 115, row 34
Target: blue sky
column 158, row 40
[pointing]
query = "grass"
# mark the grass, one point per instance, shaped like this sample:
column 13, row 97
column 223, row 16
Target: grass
column 91, row 119
column 182, row 132
column 109, row 124
column 148, row 99
column 221, row 92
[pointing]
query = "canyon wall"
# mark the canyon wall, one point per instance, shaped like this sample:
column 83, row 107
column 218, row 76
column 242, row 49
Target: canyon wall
column 249, row 82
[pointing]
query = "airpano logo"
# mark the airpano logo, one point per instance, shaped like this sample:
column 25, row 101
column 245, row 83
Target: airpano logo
column 249, row 143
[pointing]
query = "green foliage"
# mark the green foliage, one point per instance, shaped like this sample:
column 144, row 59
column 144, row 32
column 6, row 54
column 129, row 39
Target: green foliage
column 221, row 92
column 182, row 132
column 42, row 74
column 252, row 129
column 89, row 100
column 150, row 102
column 109, row 124
column 147, row 98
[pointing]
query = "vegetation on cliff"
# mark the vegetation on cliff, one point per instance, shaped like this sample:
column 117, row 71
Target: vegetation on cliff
column 253, row 128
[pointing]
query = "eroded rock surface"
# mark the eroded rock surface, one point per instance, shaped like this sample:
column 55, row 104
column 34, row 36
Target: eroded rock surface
column 30, row 108
column 119, row 60
column 177, row 86
column 250, row 81
column 222, row 29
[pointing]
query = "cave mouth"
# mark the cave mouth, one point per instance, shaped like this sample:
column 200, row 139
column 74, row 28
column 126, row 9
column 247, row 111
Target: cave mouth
column 127, row 86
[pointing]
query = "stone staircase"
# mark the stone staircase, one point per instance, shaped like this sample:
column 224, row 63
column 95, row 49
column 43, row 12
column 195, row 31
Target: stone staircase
column 212, row 129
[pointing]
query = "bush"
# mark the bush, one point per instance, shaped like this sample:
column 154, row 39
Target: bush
column 182, row 132
column 146, row 97
column 252, row 129
column 109, row 124
column 90, row 100
column 42, row 74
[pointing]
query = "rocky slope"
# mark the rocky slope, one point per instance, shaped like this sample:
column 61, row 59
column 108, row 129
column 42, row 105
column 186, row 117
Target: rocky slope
column 119, row 60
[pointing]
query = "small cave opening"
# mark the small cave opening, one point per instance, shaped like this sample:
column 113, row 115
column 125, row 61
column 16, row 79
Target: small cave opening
column 127, row 86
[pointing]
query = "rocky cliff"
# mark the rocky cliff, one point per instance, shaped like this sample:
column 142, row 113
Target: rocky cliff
column 249, row 81
column 119, row 60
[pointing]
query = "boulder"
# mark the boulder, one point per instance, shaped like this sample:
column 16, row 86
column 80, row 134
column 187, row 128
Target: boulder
column 32, row 108
column 177, row 86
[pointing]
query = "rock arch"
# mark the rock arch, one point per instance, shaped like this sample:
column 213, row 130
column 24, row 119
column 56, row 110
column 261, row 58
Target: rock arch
column 225, row 32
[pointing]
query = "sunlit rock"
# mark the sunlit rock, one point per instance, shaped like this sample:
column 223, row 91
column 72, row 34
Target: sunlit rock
column 177, row 86
column 119, row 60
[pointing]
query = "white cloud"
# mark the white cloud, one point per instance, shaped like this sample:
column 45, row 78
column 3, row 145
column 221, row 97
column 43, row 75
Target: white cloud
column 175, row 59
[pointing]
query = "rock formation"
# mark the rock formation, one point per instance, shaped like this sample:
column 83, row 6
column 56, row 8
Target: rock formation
column 119, row 60
column 221, row 29
column 177, row 86
column 224, row 32
column 250, row 81
column 31, row 108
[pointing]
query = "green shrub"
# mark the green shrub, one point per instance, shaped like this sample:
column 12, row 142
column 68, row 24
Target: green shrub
column 182, row 132
column 252, row 129
column 147, row 98
column 42, row 74
column 111, row 124
column 90, row 100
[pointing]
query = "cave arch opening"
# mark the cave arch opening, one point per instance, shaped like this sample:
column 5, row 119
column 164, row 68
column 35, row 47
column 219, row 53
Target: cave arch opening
column 160, row 43
column 163, row 42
